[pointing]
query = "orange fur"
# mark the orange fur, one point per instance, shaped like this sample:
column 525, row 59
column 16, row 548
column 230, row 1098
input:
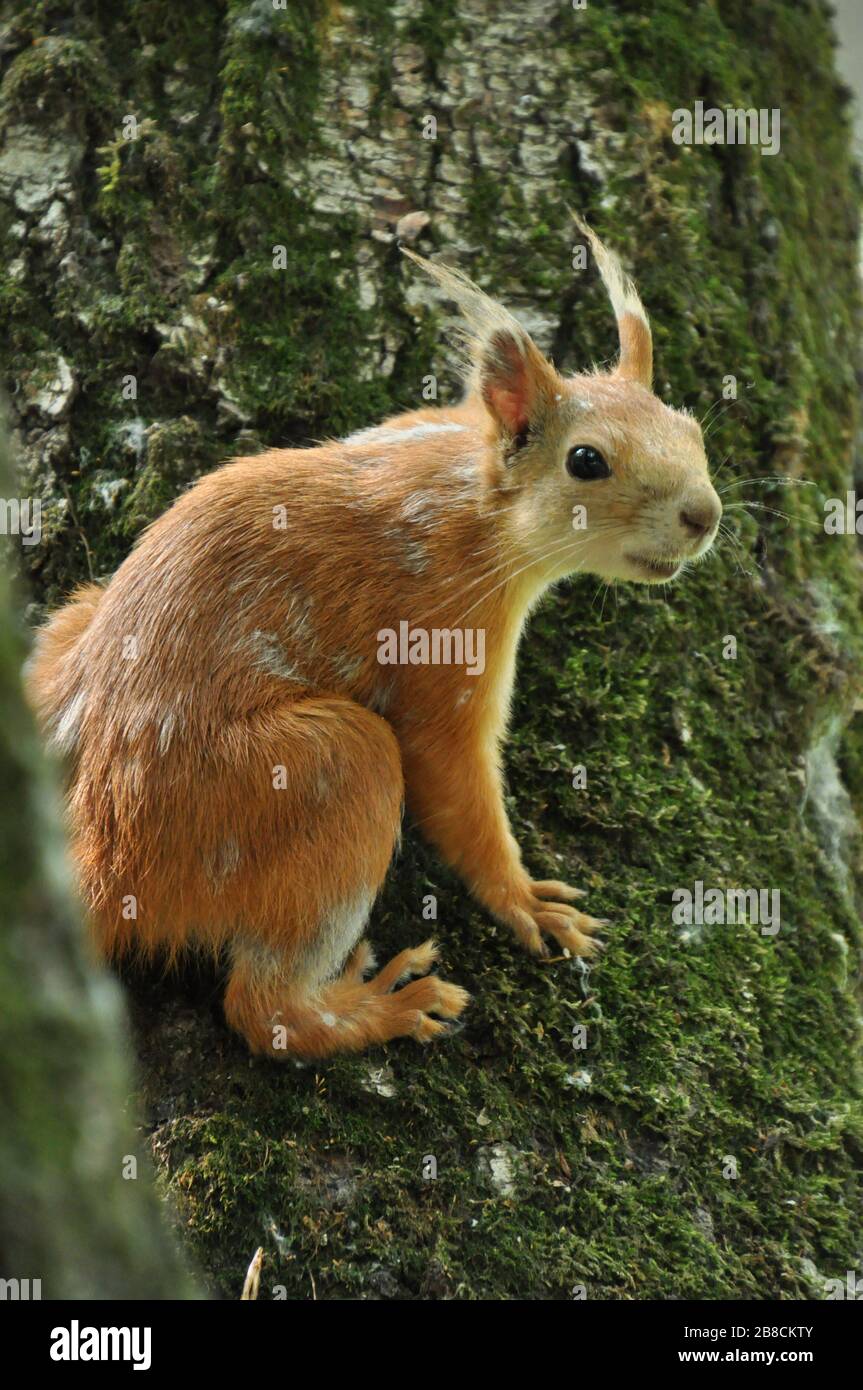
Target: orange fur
column 238, row 755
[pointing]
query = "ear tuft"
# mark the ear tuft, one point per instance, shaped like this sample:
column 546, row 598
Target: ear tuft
column 633, row 328
column 503, row 364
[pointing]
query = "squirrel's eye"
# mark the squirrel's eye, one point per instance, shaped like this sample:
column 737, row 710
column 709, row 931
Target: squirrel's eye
column 586, row 463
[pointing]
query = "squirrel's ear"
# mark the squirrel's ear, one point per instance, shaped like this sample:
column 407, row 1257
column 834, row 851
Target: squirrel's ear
column 514, row 379
column 503, row 364
column 636, row 344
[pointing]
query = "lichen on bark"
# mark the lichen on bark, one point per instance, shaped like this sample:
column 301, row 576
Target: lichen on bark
column 150, row 261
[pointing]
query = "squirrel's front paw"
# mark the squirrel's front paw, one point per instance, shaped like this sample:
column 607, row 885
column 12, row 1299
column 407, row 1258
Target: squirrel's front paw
column 531, row 912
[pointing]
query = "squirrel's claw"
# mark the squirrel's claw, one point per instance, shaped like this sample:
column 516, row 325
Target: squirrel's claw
column 535, row 915
column 553, row 888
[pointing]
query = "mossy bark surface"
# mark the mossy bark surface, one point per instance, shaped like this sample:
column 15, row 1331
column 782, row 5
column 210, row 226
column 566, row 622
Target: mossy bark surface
column 707, row 1140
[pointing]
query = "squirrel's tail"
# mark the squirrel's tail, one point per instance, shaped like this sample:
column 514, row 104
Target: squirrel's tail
column 48, row 675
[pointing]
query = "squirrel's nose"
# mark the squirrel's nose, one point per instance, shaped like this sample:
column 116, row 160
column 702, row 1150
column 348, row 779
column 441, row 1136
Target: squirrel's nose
column 698, row 518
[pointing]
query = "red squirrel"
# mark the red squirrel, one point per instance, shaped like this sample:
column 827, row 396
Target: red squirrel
column 280, row 663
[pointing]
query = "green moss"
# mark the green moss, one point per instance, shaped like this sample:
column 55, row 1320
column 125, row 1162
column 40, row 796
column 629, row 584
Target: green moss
column 56, row 77
column 177, row 453
column 270, row 74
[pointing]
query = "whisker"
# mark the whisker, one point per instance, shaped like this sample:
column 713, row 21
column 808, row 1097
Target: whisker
column 774, row 511
column 556, row 549
column 738, row 550
column 607, row 528
column 713, row 406
column 768, row 480
column 487, row 574
column 718, row 416
column 716, row 474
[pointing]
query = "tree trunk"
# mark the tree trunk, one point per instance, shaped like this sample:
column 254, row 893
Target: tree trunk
column 78, row 1214
column 201, row 211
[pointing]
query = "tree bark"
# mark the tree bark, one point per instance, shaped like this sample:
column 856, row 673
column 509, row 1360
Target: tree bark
column 78, row 1214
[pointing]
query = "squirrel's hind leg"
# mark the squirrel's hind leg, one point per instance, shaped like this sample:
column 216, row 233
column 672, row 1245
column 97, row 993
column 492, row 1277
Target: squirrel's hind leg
column 283, row 1018
column 324, row 843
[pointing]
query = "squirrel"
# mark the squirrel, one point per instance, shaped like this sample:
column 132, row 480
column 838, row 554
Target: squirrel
column 249, row 702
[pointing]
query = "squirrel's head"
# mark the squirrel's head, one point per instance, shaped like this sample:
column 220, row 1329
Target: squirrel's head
column 594, row 472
